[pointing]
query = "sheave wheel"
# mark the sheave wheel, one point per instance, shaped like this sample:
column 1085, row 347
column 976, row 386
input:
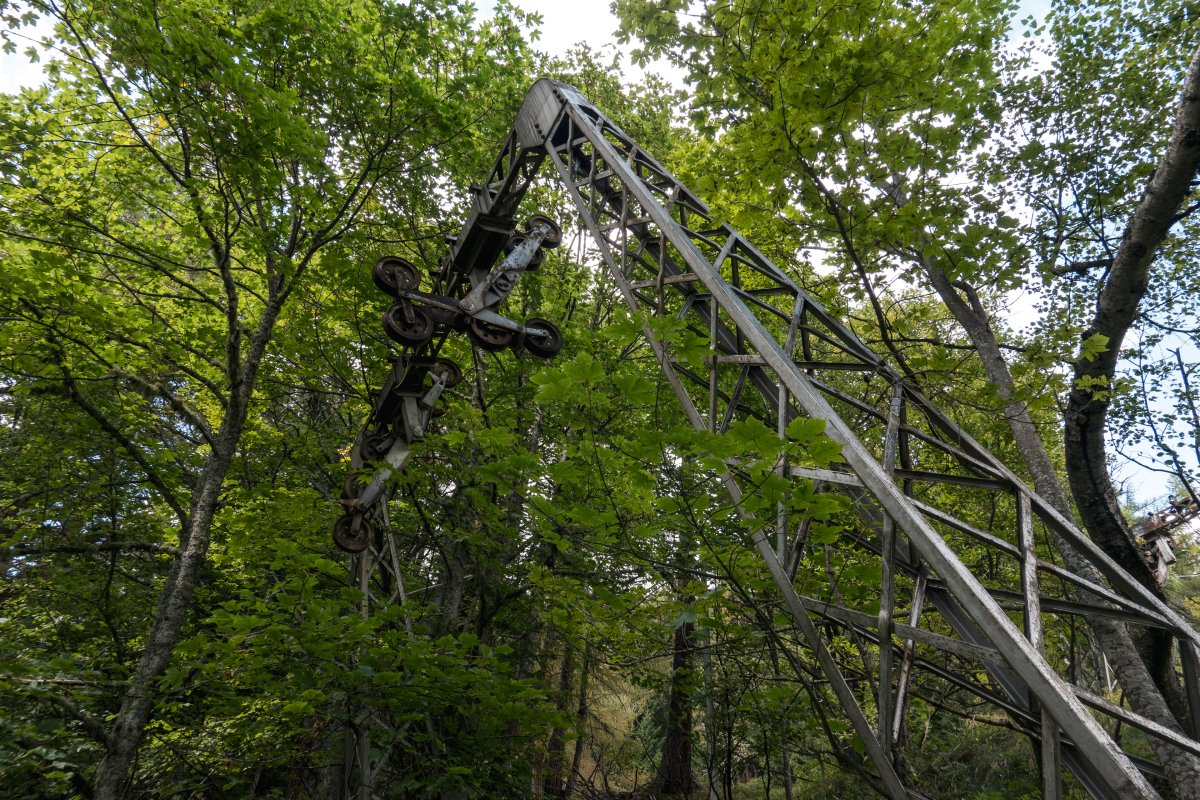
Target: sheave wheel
column 453, row 374
column 514, row 242
column 554, row 238
column 489, row 337
column 353, row 484
column 391, row 275
column 411, row 332
column 345, row 537
column 546, row 346
column 376, row 448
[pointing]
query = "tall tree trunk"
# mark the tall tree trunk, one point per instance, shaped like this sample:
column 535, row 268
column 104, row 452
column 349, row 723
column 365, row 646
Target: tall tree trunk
column 1141, row 690
column 175, row 600
column 174, row 604
column 581, row 715
column 1117, row 308
column 674, row 777
column 1142, row 662
column 553, row 783
column 1089, row 400
column 455, row 558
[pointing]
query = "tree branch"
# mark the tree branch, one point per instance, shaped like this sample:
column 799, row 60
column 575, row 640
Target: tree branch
column 97, row 547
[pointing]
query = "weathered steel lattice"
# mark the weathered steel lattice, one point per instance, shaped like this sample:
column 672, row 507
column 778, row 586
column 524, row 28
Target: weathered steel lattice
column 907, row 465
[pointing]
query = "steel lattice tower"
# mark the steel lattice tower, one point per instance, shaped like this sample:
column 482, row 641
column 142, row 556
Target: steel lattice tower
column 779, row 355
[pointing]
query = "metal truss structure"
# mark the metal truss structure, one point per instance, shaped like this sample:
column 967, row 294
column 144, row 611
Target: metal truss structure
column 942, row 622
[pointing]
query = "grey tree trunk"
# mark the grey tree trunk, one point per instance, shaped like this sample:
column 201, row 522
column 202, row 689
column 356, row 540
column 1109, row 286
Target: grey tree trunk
column 175, row 600
column 1116, row 309
column 1141, row 690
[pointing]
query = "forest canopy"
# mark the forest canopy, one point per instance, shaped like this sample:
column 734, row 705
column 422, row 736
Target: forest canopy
column 190, row 206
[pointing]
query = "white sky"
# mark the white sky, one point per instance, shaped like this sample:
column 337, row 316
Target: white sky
column 16, row 70
column 567, row 23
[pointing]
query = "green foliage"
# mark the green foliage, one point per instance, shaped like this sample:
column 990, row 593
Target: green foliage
column 187, row 209
column 183, row 203
column 812, row 119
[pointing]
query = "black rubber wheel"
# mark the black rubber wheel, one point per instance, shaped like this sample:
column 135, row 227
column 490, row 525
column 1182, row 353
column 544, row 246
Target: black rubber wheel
column 391, row 275
column 543, row 346
column 489, row 337
column 554, row 238
column 347, row 539
column 412, row 333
